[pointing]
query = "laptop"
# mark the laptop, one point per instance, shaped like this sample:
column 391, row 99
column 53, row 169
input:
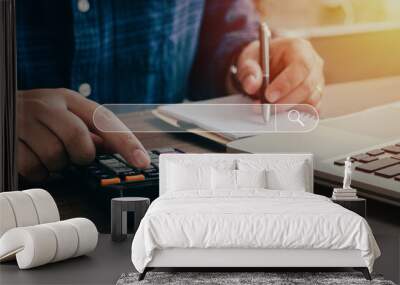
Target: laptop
column 370, row 136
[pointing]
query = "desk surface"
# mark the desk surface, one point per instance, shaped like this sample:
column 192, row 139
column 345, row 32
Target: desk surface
column 103, row 266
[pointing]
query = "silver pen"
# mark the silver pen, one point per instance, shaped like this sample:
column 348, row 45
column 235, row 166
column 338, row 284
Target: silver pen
column 264, row 36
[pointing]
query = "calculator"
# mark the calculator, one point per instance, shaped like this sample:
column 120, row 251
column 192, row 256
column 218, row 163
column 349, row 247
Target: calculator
column 110, row 176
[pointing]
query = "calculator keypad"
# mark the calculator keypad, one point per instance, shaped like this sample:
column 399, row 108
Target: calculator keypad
column 113, row 169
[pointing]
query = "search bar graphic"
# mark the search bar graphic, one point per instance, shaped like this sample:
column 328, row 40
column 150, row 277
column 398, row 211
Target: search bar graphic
column 238, row 119
column 295, row 117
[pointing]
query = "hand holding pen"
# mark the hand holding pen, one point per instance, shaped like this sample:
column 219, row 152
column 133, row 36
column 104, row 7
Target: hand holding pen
column 296, row 73
column 264, row 37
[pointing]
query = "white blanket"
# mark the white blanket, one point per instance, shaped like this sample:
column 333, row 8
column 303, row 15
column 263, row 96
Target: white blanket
column 251, row 219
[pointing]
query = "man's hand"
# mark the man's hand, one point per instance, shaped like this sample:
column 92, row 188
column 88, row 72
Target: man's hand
column 55, row 127
column 296, row 72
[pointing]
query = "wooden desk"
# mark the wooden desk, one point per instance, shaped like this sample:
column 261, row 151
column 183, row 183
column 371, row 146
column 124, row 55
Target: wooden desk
column 156, row 137
column 350, row 97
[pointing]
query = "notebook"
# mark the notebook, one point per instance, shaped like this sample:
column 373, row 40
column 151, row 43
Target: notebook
column 234, row 117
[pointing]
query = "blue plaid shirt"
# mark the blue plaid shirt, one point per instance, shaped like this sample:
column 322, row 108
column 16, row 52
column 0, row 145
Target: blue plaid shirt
column 132, row 51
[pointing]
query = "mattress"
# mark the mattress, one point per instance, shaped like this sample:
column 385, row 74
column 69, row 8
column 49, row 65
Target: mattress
column 250, row 219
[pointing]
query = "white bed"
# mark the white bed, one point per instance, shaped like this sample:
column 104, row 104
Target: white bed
column 210, row 226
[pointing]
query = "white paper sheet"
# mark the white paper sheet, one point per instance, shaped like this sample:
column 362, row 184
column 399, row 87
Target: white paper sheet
column 238, row 116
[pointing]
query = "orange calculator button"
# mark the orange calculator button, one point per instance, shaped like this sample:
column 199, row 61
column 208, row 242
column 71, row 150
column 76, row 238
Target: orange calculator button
column 139, row 177
column 110, row 181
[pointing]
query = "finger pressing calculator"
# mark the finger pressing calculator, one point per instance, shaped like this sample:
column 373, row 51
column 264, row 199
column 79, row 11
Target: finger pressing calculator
column 111, row 175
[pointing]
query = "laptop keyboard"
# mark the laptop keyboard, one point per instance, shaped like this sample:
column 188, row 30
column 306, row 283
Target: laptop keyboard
column 383, row 162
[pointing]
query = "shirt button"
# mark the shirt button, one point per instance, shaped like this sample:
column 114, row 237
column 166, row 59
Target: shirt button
column 85, row 89
column 83, row 6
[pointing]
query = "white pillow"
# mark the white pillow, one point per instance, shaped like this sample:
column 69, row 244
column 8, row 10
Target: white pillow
column 281, row 174
column 231, row 180
column 293, row 179
column 223, row 179
column 183, row 177
column 251, row 179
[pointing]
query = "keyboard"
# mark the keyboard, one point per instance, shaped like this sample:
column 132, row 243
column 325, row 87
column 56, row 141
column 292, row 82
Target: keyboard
column 109, row 175
column 383, row 162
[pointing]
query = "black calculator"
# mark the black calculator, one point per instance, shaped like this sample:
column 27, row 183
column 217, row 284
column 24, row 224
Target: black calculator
column 109, row 175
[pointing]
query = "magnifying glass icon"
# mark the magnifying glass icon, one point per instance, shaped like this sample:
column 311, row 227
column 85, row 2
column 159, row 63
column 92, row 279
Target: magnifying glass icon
column 294, row 117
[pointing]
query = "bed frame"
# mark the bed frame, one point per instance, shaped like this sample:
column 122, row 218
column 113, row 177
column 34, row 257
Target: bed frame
column 246, row 259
